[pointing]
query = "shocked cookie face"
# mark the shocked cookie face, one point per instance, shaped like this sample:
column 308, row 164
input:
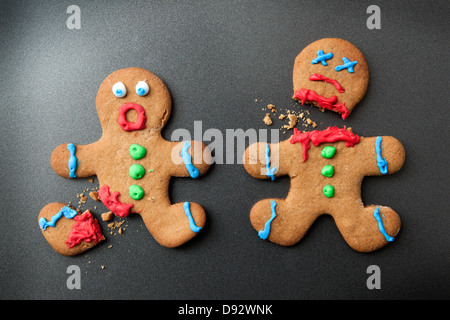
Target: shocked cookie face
column 133, row 99
column 332, row 74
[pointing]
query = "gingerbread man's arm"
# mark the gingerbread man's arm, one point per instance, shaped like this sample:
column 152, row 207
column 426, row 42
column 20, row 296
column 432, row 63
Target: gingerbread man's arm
column 380, row 155
column 187, row 158
column 74, row 161
column 266, row 160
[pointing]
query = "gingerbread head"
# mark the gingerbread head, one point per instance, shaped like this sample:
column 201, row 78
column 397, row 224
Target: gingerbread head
column 332, row 74
column 133, row 164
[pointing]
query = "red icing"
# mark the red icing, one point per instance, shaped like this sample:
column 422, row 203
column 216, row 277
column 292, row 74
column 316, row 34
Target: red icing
column 327, row 103
column 111, row 201
column 132, row 126
column 319, row 77
column 85, row 229
column 331, row 134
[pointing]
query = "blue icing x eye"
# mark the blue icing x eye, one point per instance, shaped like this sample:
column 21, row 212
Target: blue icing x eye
column 322, row 57
column 347, row 65
column 142, row 88
column 119, row 90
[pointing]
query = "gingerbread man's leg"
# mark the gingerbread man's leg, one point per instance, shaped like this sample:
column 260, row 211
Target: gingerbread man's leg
column 366, row 229
column 281, row 221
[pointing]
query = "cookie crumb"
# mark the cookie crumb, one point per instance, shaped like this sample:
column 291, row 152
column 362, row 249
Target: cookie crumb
column 281, row 117
column 94, row 195
column 107, row 216
column 271, row 107
column 91, row 180
column 310, row 122
column 267, row 119
column 292, row 121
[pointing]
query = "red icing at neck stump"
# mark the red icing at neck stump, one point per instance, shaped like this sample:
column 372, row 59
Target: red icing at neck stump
column 331, row 134
column 112, row 202
column 327, row 103
column 85, row 229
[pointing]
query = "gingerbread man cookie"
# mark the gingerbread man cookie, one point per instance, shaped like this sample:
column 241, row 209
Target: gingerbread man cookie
column 326, row 168
column 331, row 74
column 133, row 162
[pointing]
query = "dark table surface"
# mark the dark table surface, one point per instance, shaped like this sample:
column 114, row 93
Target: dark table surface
column 223, row 62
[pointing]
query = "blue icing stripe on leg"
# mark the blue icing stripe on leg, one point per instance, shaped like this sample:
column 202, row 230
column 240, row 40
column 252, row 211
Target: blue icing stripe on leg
column 269, row 172
column 192, row 224
column 66, row 211
column 376, row 214
column 73, row 161
column 187, row 159
column 381, row 162
column 263, row 234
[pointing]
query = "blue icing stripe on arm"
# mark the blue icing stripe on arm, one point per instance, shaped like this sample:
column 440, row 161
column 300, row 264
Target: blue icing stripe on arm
column 381, row 162
column 380, row 225
column 269, row 172
column 263, row 234
column 73, row 161
column 66, row 211
column 187, row 159
column 192, row 224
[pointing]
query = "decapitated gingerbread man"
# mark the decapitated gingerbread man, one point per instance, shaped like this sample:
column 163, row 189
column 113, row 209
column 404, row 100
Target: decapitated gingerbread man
column 133, row 163
column 326, row 168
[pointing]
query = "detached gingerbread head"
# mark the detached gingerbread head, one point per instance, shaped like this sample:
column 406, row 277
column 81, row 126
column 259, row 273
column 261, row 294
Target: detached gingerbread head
column 133, row 99
column 331, row 74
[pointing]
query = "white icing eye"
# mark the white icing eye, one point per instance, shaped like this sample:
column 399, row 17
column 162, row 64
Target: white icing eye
column 119, row 90
column 142, row 88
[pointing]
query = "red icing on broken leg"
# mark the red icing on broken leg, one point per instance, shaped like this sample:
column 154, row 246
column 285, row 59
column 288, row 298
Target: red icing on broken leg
column 331, row 134
column 85, row 229
column 112, row 202
column 327, row 103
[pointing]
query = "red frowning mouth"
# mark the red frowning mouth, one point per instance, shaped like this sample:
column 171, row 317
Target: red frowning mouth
column 132, row 126
column 330, row 103
column 319, row 77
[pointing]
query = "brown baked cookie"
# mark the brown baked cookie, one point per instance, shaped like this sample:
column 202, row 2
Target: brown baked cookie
column 326, row 169
column 133, row 162
column 68, row 232
column 331, row 74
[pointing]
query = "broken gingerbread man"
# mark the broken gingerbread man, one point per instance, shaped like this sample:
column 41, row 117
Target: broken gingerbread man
column 326, row 167
column 133, row 162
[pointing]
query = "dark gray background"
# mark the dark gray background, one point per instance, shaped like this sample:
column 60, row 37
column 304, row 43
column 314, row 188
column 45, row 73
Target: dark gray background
column 217, row 57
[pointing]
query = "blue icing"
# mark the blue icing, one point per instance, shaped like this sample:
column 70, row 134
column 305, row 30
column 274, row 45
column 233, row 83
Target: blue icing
column 381, row 162
column 269, row 172
column 380, row 225
column 65, row 211
column 321, row 57
column 347, row 65
column 187, row 159
column 263, row 234
column 73, row 162
column 192, row 224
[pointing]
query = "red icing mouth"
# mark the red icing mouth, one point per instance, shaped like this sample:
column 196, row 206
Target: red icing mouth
column 319, row 77
column 132, row 126
column 327, row 103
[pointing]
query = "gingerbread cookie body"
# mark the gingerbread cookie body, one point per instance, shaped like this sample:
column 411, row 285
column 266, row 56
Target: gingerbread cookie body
column 332, row 74
column 133, row 162
column 326, row 169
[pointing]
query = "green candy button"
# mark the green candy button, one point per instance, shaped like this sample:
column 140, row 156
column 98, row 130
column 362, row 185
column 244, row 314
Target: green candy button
column 137, row 152
column 136, row 171
column 327, row 171
column 136, row 192
column 328, row 191
column 328, row 152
